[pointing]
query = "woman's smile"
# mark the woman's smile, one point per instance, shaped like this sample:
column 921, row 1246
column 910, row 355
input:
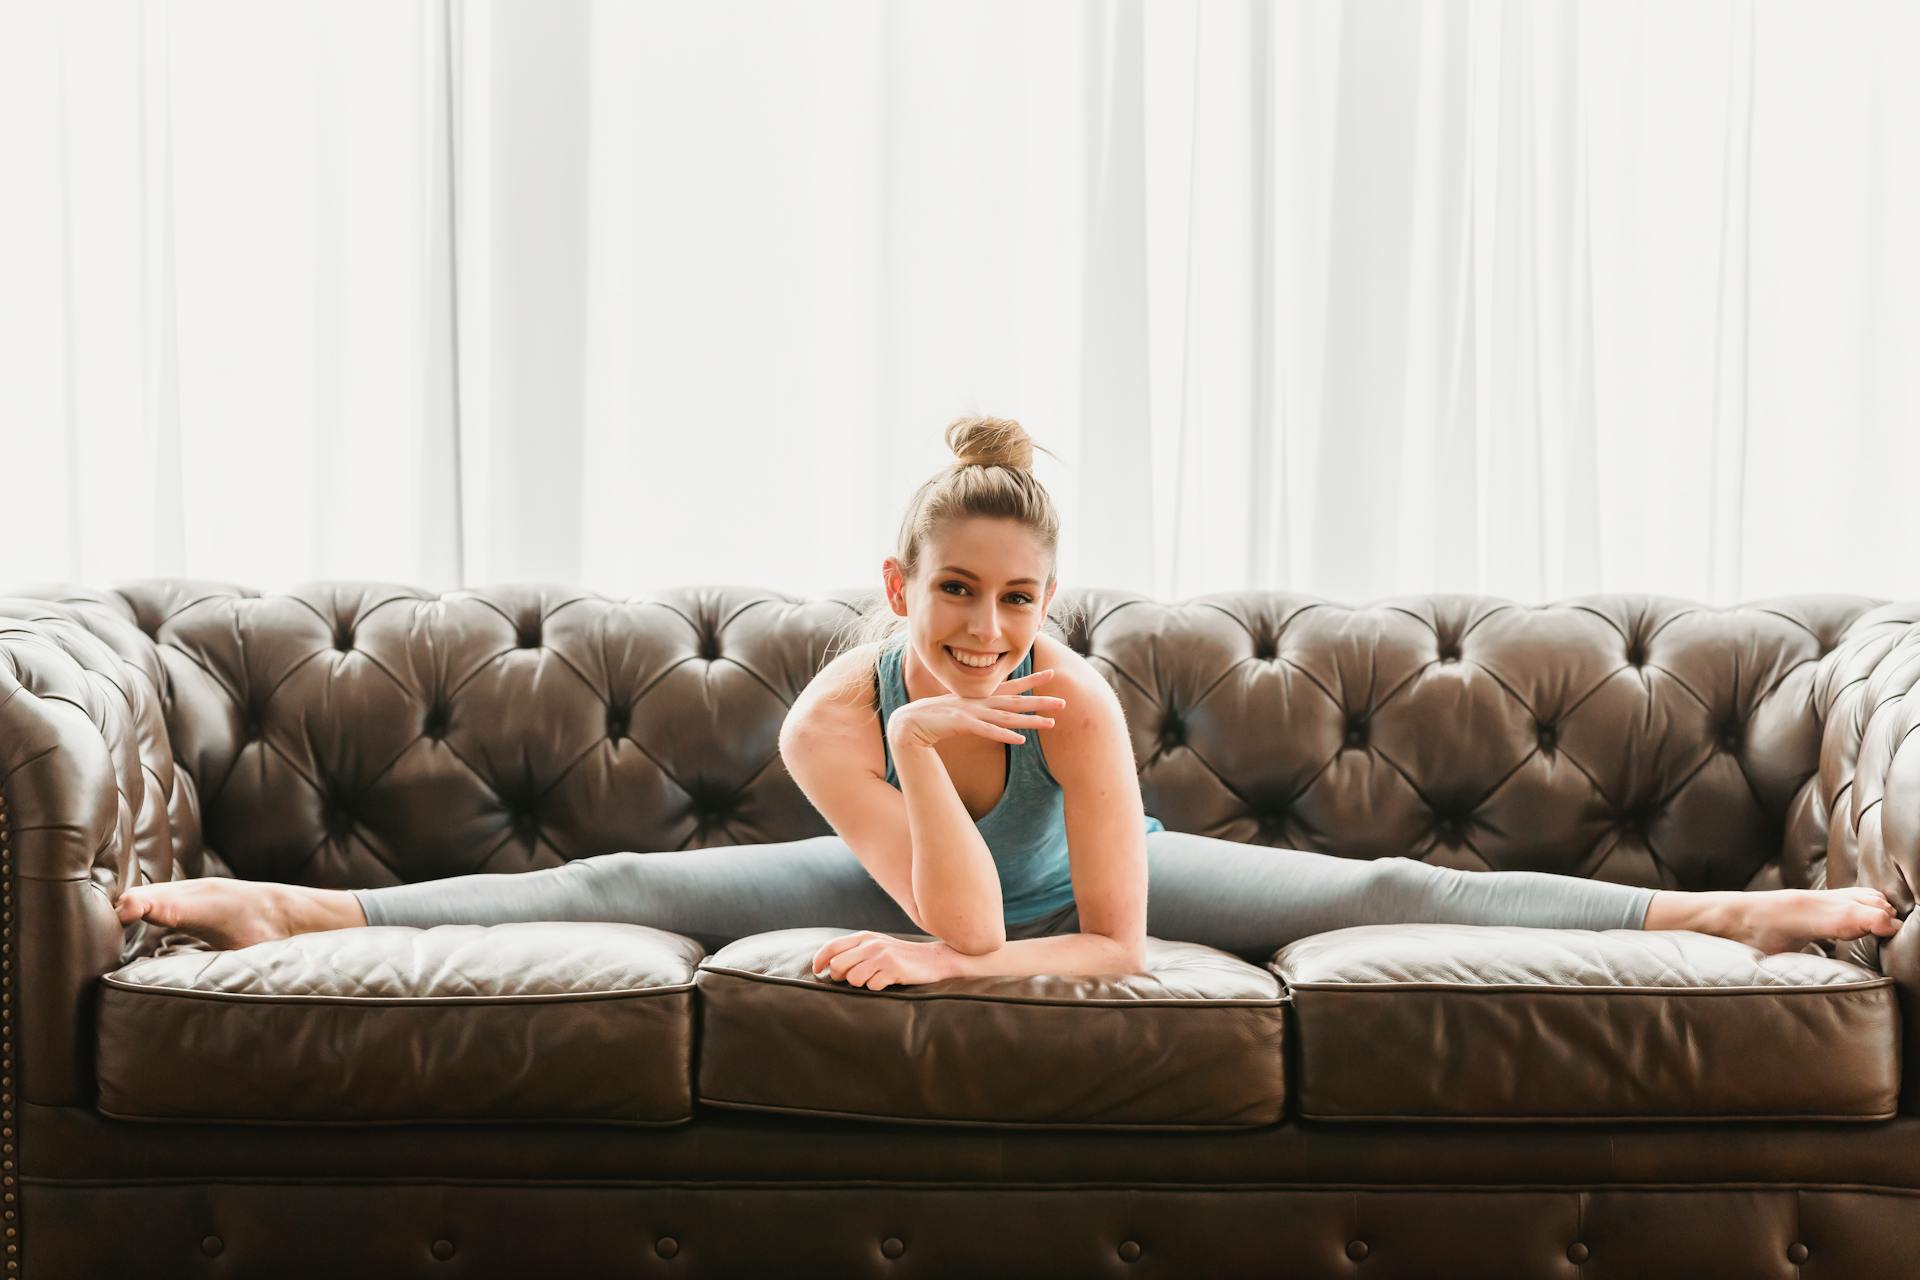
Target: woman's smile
column 972, row 660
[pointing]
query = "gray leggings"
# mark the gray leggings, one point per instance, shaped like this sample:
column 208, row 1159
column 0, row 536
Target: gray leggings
column 1246, row 899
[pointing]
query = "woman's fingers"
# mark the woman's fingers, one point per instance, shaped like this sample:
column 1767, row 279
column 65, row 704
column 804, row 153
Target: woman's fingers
column 1025, row 701
column 1020, row 717
column 846, row 957
column 1027, row 680
column 824, row 957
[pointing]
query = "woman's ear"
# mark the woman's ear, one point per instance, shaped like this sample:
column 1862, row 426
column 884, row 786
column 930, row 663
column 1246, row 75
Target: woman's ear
column 896, row 586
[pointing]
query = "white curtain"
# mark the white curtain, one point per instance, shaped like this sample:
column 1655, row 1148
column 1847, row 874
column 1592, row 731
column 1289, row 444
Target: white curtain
column 1354, row 299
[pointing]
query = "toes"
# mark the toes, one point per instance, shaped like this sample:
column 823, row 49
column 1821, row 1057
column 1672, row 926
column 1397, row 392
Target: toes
column 1879, row 921
column 157, row 909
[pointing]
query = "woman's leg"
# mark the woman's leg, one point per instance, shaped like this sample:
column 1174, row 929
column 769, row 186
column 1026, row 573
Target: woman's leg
column 1252, row 900
column 712, row 895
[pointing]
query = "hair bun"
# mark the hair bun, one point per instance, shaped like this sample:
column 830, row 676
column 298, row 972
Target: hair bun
column 990, row 442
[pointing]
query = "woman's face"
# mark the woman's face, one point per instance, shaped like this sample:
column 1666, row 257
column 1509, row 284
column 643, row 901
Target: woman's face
column 982, row 591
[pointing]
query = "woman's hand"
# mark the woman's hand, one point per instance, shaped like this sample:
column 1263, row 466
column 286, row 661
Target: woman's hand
column 926, row 721
column 878, row 960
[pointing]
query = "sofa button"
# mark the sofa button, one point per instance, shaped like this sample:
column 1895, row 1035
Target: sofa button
column 212, row 1246
column 443, row 1249
column 893, row 1246
column 1577, row 1252
column 1796, row 1253
column 1356, row 1249
column 1129, row 1252
column 666, row 1246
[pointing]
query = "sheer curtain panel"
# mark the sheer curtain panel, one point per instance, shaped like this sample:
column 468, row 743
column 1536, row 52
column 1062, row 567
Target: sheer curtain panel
column 1354, row 299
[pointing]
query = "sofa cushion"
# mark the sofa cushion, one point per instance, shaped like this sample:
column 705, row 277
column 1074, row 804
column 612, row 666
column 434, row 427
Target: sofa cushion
column 1194, row 1042
column 1495, row 1023
column 535, row 1021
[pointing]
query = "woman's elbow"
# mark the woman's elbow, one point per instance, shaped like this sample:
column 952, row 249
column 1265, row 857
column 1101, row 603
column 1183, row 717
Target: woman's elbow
column 973, row 933
column 976, row 947
column 976, row 942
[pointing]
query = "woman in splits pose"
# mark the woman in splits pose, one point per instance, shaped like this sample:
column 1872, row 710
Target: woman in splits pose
column 980, row 781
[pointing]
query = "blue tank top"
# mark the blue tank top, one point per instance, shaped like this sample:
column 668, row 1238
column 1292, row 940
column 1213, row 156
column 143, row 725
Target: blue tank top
column 1026, row 832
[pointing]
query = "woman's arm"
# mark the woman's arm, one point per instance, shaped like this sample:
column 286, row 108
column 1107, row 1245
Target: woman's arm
column 1063, row 954
column 955, row 881
column 1090, row 754
column 831, row 745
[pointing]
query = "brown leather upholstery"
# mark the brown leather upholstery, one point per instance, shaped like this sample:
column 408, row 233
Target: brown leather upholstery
column 1497, row 1025
column 358, row 734
column 1195, row 1042
column 1866, row 805
column 533, row 1021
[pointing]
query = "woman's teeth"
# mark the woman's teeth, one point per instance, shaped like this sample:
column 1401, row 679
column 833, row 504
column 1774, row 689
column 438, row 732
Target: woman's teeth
column 976, row 663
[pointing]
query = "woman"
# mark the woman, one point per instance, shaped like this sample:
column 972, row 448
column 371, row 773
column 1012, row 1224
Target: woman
column 980, row 780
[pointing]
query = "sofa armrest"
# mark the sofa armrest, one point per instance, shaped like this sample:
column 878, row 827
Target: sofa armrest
column 85, row 767
column 1869, row 697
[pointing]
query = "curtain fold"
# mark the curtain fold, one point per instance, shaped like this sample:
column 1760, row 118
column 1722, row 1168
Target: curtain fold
column 1531, row 299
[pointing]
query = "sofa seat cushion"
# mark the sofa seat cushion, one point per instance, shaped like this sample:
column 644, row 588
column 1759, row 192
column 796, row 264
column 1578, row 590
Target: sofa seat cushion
column 535, row 1021
column 1192, row 1043
column 1486, row 1023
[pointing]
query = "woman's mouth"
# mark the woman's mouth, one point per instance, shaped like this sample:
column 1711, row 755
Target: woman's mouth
column 972, row 662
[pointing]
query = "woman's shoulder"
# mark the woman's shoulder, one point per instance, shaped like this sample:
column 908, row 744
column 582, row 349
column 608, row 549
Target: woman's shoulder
column 839, row 698
column 1080, row 683
column 1074, row 678
column 1070, row 670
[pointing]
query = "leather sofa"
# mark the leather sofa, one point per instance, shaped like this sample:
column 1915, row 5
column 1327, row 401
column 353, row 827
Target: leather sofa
column 584, row 1099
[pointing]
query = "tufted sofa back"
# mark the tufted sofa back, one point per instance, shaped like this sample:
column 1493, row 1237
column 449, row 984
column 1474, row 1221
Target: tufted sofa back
column 362, row 734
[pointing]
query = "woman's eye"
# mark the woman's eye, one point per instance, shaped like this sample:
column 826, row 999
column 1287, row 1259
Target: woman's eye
column 1022, row 596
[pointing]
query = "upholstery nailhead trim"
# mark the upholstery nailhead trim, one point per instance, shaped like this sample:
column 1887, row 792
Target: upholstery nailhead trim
column 7, row 1161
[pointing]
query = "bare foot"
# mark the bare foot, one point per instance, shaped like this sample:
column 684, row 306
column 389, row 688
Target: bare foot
column 1778, row 919
column 228, row 913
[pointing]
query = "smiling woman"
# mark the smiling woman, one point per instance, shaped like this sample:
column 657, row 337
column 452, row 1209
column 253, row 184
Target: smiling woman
column 969, row 832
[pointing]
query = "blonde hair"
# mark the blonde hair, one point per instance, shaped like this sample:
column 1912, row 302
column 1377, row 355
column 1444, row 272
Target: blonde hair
column 991, row 475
